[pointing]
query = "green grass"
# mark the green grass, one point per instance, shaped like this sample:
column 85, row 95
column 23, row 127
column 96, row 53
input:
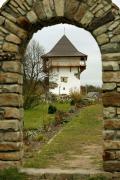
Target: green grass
column 85, row 128
column 11, row 174
column 34, row 118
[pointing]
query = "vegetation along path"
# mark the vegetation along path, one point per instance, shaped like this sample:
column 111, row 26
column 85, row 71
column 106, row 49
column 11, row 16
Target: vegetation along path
column 78, row 145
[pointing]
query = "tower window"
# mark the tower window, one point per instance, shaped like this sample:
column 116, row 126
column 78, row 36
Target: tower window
column 64, row 79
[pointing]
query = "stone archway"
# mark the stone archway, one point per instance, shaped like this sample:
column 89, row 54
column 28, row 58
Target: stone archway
column 18, row 21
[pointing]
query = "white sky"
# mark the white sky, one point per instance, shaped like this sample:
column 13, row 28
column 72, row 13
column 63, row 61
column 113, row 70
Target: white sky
column 82, row 40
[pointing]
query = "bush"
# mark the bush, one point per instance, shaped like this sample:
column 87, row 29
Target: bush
column 72, row 102
column 76, row 96
column 52, row 109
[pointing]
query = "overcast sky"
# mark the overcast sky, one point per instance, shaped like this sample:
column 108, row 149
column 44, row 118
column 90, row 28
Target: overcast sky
column 82, row 40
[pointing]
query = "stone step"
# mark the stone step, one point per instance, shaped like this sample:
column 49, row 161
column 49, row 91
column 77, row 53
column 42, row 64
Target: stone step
column 59, row 174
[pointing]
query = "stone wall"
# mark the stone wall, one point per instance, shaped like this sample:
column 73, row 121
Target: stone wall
column 19, row 19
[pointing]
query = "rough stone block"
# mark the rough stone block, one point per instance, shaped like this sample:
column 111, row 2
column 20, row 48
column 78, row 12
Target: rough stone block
column 109, row 134
column 14, row 88
column 111, row 166
column 10, row 125
column 48, row 9
column 13, row 66
column 13, row 28
column 13, row 113
column 71, row 8
column 10, row 146
column 87, row 18
column 111, row 57
column 111, row 76
column 11, row 156
column 80, row 12
column 110, row 48
column 11, row 78
column 109, row 112
column 109, row 155
column 39, row 10
column 111, row 99
column 118, row 110
column 32, row 17
column 111, row 66
column 11, row 136
column 9, row 47
column 115, row 38
column 11, row 99
column 109, row 86
column 13, row 38
column 59, row 7
column 111, row 145
column 112, row 124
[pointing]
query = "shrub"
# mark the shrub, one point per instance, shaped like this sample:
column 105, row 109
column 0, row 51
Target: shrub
column 76, row 96
column 51, row 109
column 72, row 102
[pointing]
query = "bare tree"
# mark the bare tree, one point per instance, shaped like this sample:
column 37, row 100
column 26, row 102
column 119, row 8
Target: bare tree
column 33, row 72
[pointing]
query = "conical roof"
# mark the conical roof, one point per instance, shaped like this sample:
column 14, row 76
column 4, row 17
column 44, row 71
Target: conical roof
column 63, row 48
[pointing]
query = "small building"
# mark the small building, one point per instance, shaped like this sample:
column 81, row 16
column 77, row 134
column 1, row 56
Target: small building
column 64, row 64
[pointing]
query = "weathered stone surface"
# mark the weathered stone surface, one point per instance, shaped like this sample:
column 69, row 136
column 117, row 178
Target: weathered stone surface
column 13, row 38
column 39, row 10
column 13, row 28
column 110, row 48
column 111, row 57
column 10, row 78
column 115, row 38
column 87, row 18
column 59, row 7
column 80, row 12
column 112, row 124
column 30, row 2
column 13, row 113
column 111, row 76
column 111, row 99
column 11, row 136
column 118, row 110
column 9, row 47
column 11, row 156
column 48, row 9
column 13, row 66
column 32, row 17
column 100, row 30
column 109, row 155
column 114, row 25
column 116, row 30
column 111, row 145
column 109, row 86
column 10, row 146
column 118, row 89
column 9, row 16
column 102, row 39
column 14, row 88
column 109, row 112
column 71, row 8
column 97, row 8
column 11, row 99
column 108, row 134
column 111, row 66
column 2, row 19
column 96, row 23
column 10, row 125
column 111, row 166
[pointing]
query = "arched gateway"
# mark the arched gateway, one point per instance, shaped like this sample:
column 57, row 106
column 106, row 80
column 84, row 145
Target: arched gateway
column 19, row 19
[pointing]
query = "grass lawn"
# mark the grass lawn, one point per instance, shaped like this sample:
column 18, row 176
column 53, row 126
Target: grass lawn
column 77, row 138
column 34, row 118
